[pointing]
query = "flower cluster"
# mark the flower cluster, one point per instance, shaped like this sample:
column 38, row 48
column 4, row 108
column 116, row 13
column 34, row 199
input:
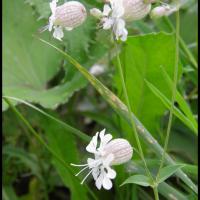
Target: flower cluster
column 114, row 16
column 107, row 152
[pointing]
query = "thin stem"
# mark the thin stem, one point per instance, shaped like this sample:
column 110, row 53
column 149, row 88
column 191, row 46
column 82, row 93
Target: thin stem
column 173, row 93
column 155, row 191
column 42, row 141
column 130, row 114
column 182, row 44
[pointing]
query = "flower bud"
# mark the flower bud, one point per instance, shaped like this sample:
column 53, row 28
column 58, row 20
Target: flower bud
column 161, row 11
column 121, row 149
column 96, row 13
column 70, row 15
column 135, row 9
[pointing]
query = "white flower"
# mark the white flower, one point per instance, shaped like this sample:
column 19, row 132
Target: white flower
column 106, row 153
column 112, row 18
column 67, row 16
column 97, row 69
column 163, row 10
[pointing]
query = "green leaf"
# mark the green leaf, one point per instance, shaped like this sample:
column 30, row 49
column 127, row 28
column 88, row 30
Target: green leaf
column 122, row 110
column 138, row 179
column 176, row 111
column 141, row 58
column 30, row 160
column 69, row 128
column 8, row 193
column 28, row 67
column 63, row 143
column 181, row 101
column 168, row 171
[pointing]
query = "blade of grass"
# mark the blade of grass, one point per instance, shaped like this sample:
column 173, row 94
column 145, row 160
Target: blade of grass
column 167, row 103
column 182, row 44
column 39, row 138
column 121, row 109
column 76, row 132
column 181, row 101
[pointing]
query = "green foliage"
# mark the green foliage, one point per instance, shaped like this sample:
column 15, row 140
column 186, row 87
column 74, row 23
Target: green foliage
column 29, row 69
column 167, row 171
column 141, row 59
column 138, row 179
column 59, row 111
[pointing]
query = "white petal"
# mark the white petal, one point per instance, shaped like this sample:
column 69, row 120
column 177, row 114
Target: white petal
column 117, row 8
column 53, row 6
column 107, row 23
column 106, row 10
column 105, row 138
column 58, row 33
column 107, row 183
column 111, row 173
column 120, row 30
column 124, row 35
column 95, row 173
column 93, row 163
column 91, row 147
column 99, row 181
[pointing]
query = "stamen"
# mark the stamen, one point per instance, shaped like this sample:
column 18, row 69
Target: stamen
column 78, row 165
column 82, row 170
column 86, row 177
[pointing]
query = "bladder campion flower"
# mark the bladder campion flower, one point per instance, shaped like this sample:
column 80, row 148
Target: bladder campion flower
column 117, row 12
column 107, row 152
column 66, row 16
column 111, row 18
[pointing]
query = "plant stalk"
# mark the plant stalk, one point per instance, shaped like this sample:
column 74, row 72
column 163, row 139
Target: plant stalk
column 130, row 115
column 173, row 93
column 155, row 190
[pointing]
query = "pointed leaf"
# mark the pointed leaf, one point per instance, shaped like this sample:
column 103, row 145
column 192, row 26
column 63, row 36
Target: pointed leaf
column 139, row 180
column 167, row 171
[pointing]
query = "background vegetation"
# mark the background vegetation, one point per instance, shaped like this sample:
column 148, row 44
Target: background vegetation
column 69, row 106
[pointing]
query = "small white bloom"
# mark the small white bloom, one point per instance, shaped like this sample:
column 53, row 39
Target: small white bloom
column 107, row 152
column 97, row 69
column 112, row 18
column 67, row 16
column 164, row 10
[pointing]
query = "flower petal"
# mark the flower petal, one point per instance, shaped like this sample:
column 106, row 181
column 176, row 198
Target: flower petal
column 120, row 30
column 107, row 183
column 95, row 173
column 58, row 32
column 106, row 10
column 99, row 181
column 107, row 23
column 92, row 146
column 53, row 6
column 111, row 173
column 105, row 138
column 117, row 8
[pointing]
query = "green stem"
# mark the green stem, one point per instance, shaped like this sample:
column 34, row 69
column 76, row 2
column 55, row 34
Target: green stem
column 155, row 191
column 173, row 93
column 130, row 114
column 182, row 44
column 42, row 141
